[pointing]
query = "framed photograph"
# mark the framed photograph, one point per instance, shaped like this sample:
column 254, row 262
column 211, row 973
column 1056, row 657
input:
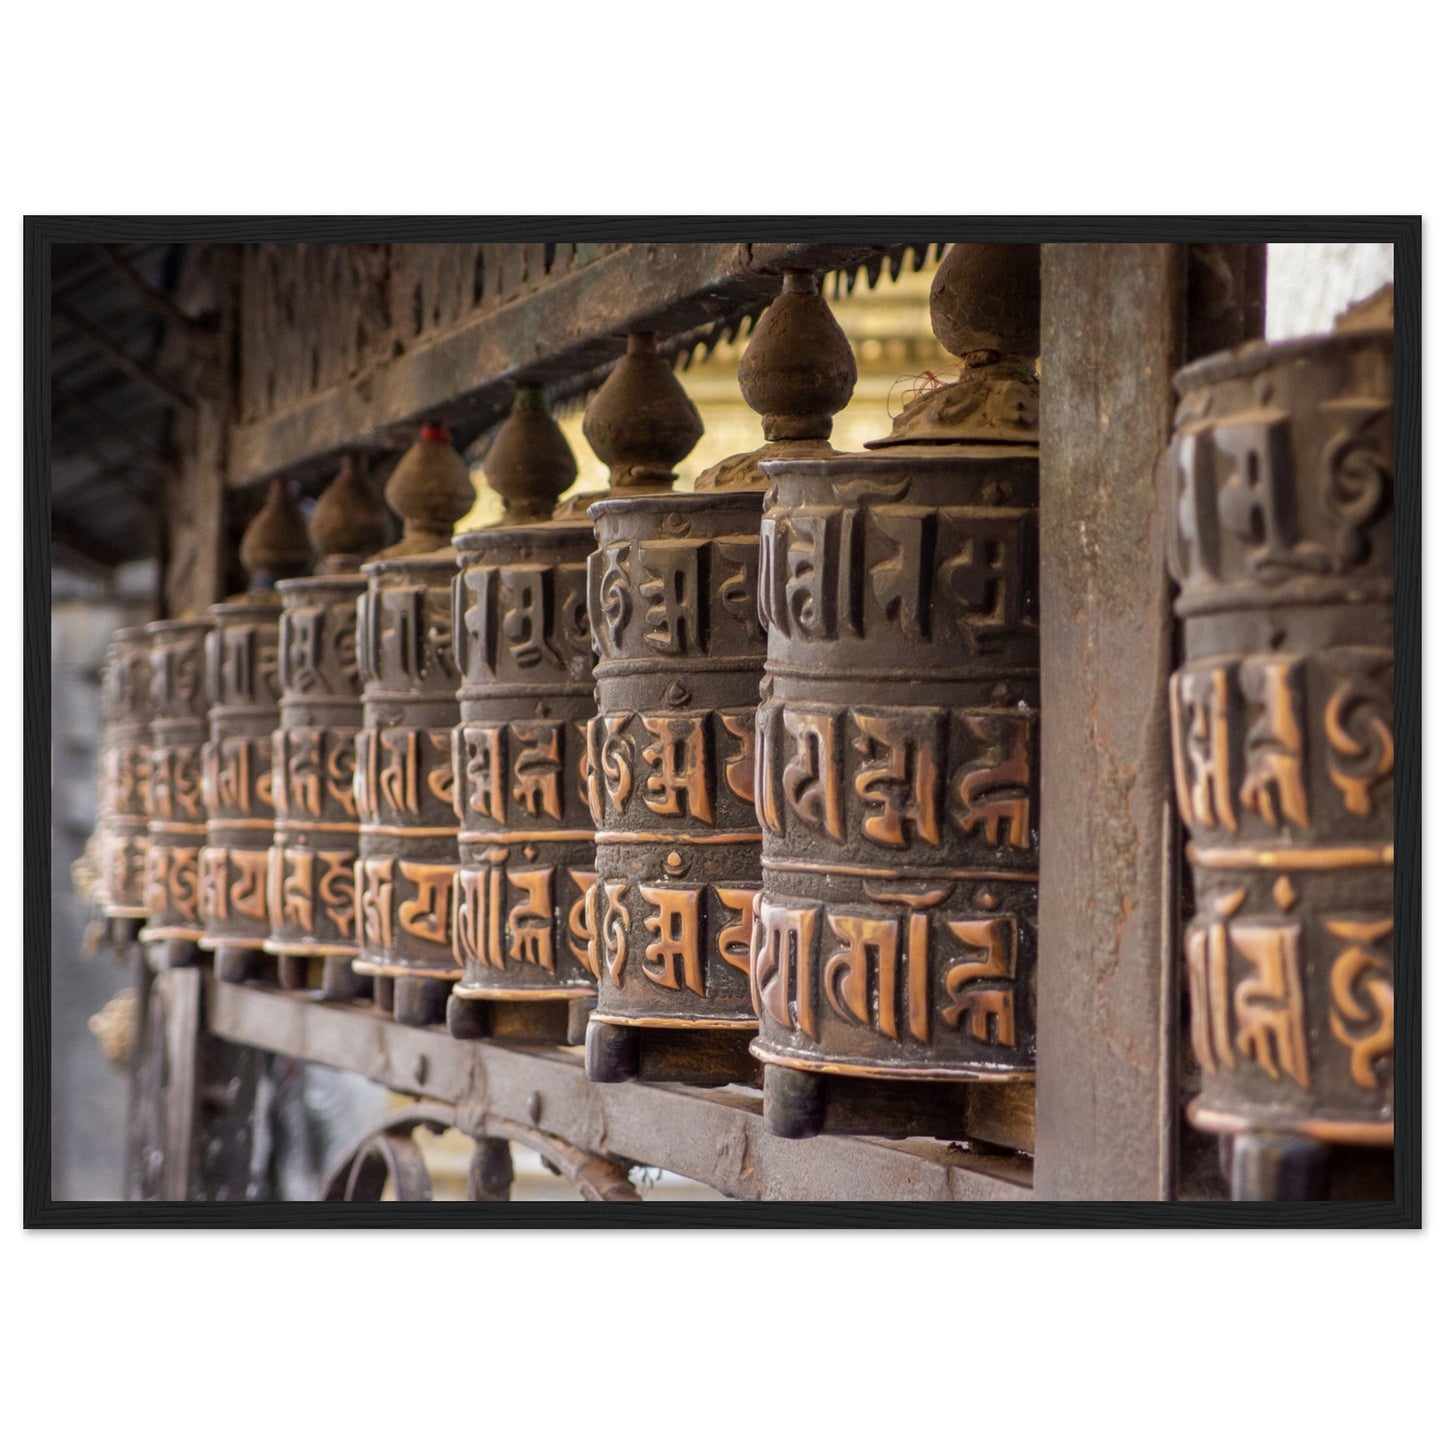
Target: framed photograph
column 905, row 721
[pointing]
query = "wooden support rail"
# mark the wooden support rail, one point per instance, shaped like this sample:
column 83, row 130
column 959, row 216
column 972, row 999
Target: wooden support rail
column 715, row 1136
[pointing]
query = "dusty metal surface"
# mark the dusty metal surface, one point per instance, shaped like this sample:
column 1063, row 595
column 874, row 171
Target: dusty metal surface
column 714, row 1136
column 1112, row 337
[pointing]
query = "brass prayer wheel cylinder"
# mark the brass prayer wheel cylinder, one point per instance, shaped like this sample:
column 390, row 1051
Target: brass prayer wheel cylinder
column 408, row 827
column 245, row 693
column 177, row 817
column 312, row 876
column 672, row 595
column 125, row 708
column 526, row 839
column 1280, row 478
column 896, row 933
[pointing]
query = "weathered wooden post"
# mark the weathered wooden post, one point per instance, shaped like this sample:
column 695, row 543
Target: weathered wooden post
column 313, row 858
column 524, row 651
column 894, row 948
column 408, row 857
column 1280, row 478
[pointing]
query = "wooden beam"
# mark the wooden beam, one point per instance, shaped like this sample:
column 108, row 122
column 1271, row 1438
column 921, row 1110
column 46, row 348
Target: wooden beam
column 1113, row 319
column 111, row 426
column 712, row 1135
column 122, row 359
column 156, row 302
column 553, row 335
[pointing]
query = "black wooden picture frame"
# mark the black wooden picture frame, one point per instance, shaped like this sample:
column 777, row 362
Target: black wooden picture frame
column 44, row 232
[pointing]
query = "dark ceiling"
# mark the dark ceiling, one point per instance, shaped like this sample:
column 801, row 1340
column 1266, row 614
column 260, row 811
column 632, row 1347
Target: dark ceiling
column 111, row 408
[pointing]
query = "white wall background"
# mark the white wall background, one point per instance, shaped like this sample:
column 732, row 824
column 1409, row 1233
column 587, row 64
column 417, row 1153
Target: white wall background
column 1307, row 285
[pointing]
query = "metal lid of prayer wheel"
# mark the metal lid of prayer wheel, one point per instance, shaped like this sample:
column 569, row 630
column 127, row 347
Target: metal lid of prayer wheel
column 404, row 787
column 177, row 814
column 123, row 822
column 1280, row 480
column 524, row 651
column 312, row 876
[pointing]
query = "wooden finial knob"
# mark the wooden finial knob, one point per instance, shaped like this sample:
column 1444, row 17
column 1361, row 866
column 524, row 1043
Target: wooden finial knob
column 275, row 545
column 984, row 305
column 798, row 369
column 431, row 490
column 986, row 298
column 641, row 422
column 530, row 464
column 350, row 521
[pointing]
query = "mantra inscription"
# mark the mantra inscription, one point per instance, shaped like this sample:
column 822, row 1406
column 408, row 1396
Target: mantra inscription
column 518, row 757
column 405, row 872
column 898, row 779
column 896, row 765
column 901, row 973
column 177, row 807
column 671, row 760
column 1282, row 721
column 244, row 672
column 311, row 885
column 124, row 774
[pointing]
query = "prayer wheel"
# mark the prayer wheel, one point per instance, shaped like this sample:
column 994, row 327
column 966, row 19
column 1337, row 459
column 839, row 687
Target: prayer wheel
column 408, row 827
column 176, row 824
column 1280, row 480
column 896, row 932
column 313, row 860
column 679, row 657
column 673, row 601
column 526, row 839
column 242, row 666
column 123, row 822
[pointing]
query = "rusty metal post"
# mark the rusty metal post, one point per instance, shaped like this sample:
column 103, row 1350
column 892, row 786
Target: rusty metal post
column 408, row 859
column 312, row 878
column 1112, row 336
column 245, row 697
